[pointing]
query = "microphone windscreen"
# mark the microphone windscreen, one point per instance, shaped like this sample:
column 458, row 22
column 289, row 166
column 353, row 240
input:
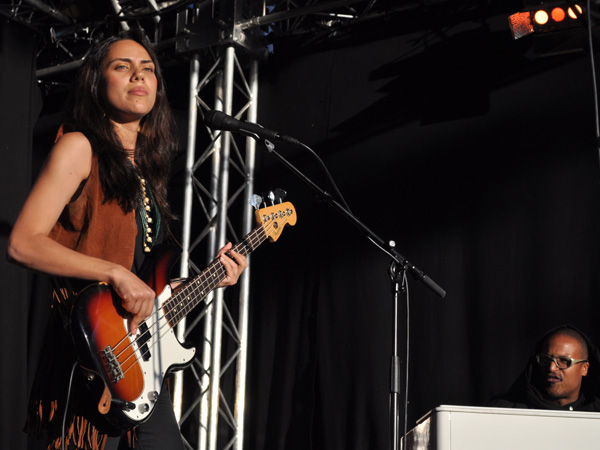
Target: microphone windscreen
column 214, row 119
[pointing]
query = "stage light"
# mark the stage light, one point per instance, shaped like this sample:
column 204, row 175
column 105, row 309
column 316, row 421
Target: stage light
column 545, row 18
column 520, row 24
column 541, row 17
column 572, row 13
column 558, row 14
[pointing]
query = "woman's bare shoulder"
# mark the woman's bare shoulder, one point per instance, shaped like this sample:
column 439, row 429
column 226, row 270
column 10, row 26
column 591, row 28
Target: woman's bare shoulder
column 73, row 141
column 72, row 152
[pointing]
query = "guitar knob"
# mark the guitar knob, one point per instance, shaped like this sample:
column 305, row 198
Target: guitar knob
column 144, row 407
column 153, row 396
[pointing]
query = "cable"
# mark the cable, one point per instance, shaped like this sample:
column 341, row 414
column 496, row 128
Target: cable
column 64, row 422
column 329, row 177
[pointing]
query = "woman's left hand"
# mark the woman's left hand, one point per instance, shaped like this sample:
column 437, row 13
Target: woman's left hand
column 234, row 267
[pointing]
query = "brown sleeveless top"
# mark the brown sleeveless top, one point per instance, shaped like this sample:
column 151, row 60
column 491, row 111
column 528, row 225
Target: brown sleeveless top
column 92, row 226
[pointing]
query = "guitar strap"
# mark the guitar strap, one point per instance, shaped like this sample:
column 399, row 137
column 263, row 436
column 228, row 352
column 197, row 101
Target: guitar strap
column 63, row 297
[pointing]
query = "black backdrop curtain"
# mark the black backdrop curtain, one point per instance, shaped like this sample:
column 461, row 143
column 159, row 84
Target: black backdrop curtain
column 481, row 164
column 19, row 107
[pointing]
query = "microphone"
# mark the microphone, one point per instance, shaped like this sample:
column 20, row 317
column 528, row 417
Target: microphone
column 220, row 121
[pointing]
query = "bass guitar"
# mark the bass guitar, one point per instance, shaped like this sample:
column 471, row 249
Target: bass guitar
column 134, row 366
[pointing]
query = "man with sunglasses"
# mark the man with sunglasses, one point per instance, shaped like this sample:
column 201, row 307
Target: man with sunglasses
column 560, row 375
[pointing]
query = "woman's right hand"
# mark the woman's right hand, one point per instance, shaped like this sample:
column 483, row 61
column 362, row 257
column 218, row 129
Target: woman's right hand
column 136, row 296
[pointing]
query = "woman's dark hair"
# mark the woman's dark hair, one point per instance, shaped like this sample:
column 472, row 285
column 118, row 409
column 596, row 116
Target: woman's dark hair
column 89, row 113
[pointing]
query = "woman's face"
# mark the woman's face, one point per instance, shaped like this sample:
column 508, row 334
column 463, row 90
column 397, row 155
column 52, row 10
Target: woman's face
column 130, row 78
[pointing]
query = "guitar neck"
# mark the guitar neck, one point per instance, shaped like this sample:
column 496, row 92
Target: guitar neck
column 194, row 291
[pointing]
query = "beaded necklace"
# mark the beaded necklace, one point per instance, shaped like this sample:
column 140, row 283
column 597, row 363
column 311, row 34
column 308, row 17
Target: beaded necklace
column 145, row 210
column 146, row 205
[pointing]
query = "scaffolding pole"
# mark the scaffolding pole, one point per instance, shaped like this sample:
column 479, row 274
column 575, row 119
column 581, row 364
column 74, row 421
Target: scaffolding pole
column 207, row 401
column 221, row 230
column 187, row 217
column 242, row 361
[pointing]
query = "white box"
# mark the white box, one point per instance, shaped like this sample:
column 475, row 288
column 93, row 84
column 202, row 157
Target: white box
column 470, row 428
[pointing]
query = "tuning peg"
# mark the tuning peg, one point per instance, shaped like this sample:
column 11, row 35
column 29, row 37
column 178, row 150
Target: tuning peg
column 271, row 196
column 279, row 195
column 256, row 201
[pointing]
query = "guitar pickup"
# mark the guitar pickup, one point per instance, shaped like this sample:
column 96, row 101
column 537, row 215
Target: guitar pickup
column 142, row 341
column 111, row 364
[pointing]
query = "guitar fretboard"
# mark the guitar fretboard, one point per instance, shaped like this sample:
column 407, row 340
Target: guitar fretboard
column 189, row 296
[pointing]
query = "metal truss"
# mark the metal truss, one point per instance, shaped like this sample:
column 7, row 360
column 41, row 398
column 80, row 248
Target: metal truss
column 206, row 408
column 67, row 28
column 318, row 20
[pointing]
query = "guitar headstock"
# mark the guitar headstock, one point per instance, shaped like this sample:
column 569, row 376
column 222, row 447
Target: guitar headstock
column 275, row 218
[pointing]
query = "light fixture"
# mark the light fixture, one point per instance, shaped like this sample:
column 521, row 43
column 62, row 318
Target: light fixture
column 545, row 18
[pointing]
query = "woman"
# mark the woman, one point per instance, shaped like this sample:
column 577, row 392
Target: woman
column 98, row 206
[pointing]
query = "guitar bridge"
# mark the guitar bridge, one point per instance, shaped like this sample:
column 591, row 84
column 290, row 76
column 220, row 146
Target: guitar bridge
column 111, row 364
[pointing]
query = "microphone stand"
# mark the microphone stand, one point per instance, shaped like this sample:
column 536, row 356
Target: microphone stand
column 398, row 267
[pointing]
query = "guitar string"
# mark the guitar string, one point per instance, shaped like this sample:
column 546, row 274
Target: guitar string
column 170, row 306
column 220, row 269
column 178, row 306
column 257, row 239
column 213, row 267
